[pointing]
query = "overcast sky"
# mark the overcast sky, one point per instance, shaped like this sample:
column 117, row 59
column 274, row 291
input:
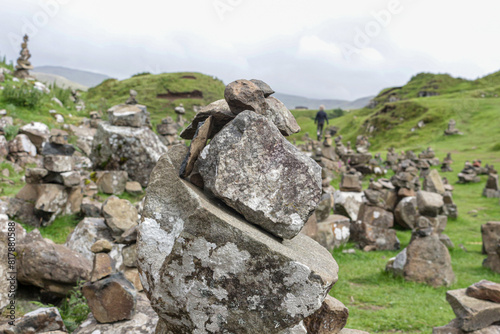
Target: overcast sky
column 316, row 48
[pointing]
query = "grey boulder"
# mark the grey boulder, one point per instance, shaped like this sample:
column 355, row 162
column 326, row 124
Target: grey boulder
column 256, row 171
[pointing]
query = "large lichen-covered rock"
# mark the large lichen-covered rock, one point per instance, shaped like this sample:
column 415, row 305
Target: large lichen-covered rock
column 256, row 171
column 205, row 269
column 134, row 150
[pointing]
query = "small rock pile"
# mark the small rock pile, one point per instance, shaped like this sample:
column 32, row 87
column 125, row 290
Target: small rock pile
column 452, row 130
column 491, row 189
column 426, row 259
column 491, row 245
column 446, row 166
column 477, row 309
column 219, row 248
column 53, row 189
column 468, row 174
column 373, row 228
column 127, row 143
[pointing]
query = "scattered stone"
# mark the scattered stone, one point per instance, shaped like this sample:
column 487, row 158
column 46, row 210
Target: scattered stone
column 58, row 163
column 111, row 299
column 451, row 129
column 130, row 256
column 134, row 150
column 85, row 234
column 57, row 149
column 22, row 144
column 244, row 95
column 348, row 203
column 133, row 188
column 127, row 115
column 279, row 114
column 492, row 190
column 472, row 314
column 406, row 213
column 351, row 182
column 484, row 290
column 120, row 214
column 142, row 322
column 433, row 183
column 373, row 229
column 333, row 232
column 428, row 261
column 220, row 113
column 254, row 169
column 330, row 318
column 37, row 132
column 491, row 245
column 264, row 87
column 43, row 321
column 112, row 182
column 429, row 204
column 54, row 268
column 197, row 145
column 101, row 246
column 91, row 208
column 102, row 268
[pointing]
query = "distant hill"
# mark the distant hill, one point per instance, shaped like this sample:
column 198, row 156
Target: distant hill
column 84, row 78
column 58, row 80
column 293, row 101
column 161, row 93
column 430, row 99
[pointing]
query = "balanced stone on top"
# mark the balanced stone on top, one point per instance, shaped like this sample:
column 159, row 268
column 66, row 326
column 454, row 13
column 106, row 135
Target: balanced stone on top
column 256, row 171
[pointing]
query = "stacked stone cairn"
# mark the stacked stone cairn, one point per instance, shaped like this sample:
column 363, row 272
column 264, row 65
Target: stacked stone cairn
column 452, row 130
column 426, row 259
column 329, row 230
column 491, row 189
column 219, row 248
column 446, row 166
column 127, row 143
column 491, row 245
column 55, row 188
column 468, row 174
column 477, row 310
column 373, row 229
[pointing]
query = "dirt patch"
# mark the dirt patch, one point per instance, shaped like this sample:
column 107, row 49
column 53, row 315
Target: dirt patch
column 171, row 96
column 192, row 77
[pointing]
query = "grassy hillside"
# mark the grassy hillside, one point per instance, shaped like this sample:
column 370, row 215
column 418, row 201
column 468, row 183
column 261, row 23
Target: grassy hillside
column 377, row 302
column 160, row 93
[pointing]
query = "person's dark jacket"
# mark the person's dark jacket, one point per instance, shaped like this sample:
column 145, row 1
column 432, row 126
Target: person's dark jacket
column 321, row 117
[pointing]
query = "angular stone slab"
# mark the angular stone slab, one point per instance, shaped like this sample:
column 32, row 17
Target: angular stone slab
column 485, row 290
column 330, row 318
column 256, row 171
column 206, row 269
column 472, row 314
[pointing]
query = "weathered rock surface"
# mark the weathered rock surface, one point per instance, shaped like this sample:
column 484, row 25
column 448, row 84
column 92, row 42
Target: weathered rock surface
column 111, row 299
column 206, row 269
column 129, row 115
column 57, row 149
column 485, row 290
column 133, row 188
column 112, row 182
column 134, row 150
column 428, row 261
column 429, row 204
column 472, row 314
column 58, row 163
column 101, row 246
column 103, row 267
column 55, row 268
column 85, row 234
column 279, row 114
column 91, row 208
column 333, row 232
column 22, row 144
column 244, row 95
column 406, row 212
column 43, row 321
column 143, row 322
column 120, row 214
column 433, row 183
column 453, row 328
column 37, row 132
column 348, row 203
column 491, row 237
column 220, row 113
column 373, row 229
column 255, row 170
column 330, row 318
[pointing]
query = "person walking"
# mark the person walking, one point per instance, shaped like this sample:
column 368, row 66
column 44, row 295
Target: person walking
column 320, row 119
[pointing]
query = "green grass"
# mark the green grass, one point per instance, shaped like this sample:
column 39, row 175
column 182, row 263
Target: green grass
column 59, row 230
column 148, row 86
